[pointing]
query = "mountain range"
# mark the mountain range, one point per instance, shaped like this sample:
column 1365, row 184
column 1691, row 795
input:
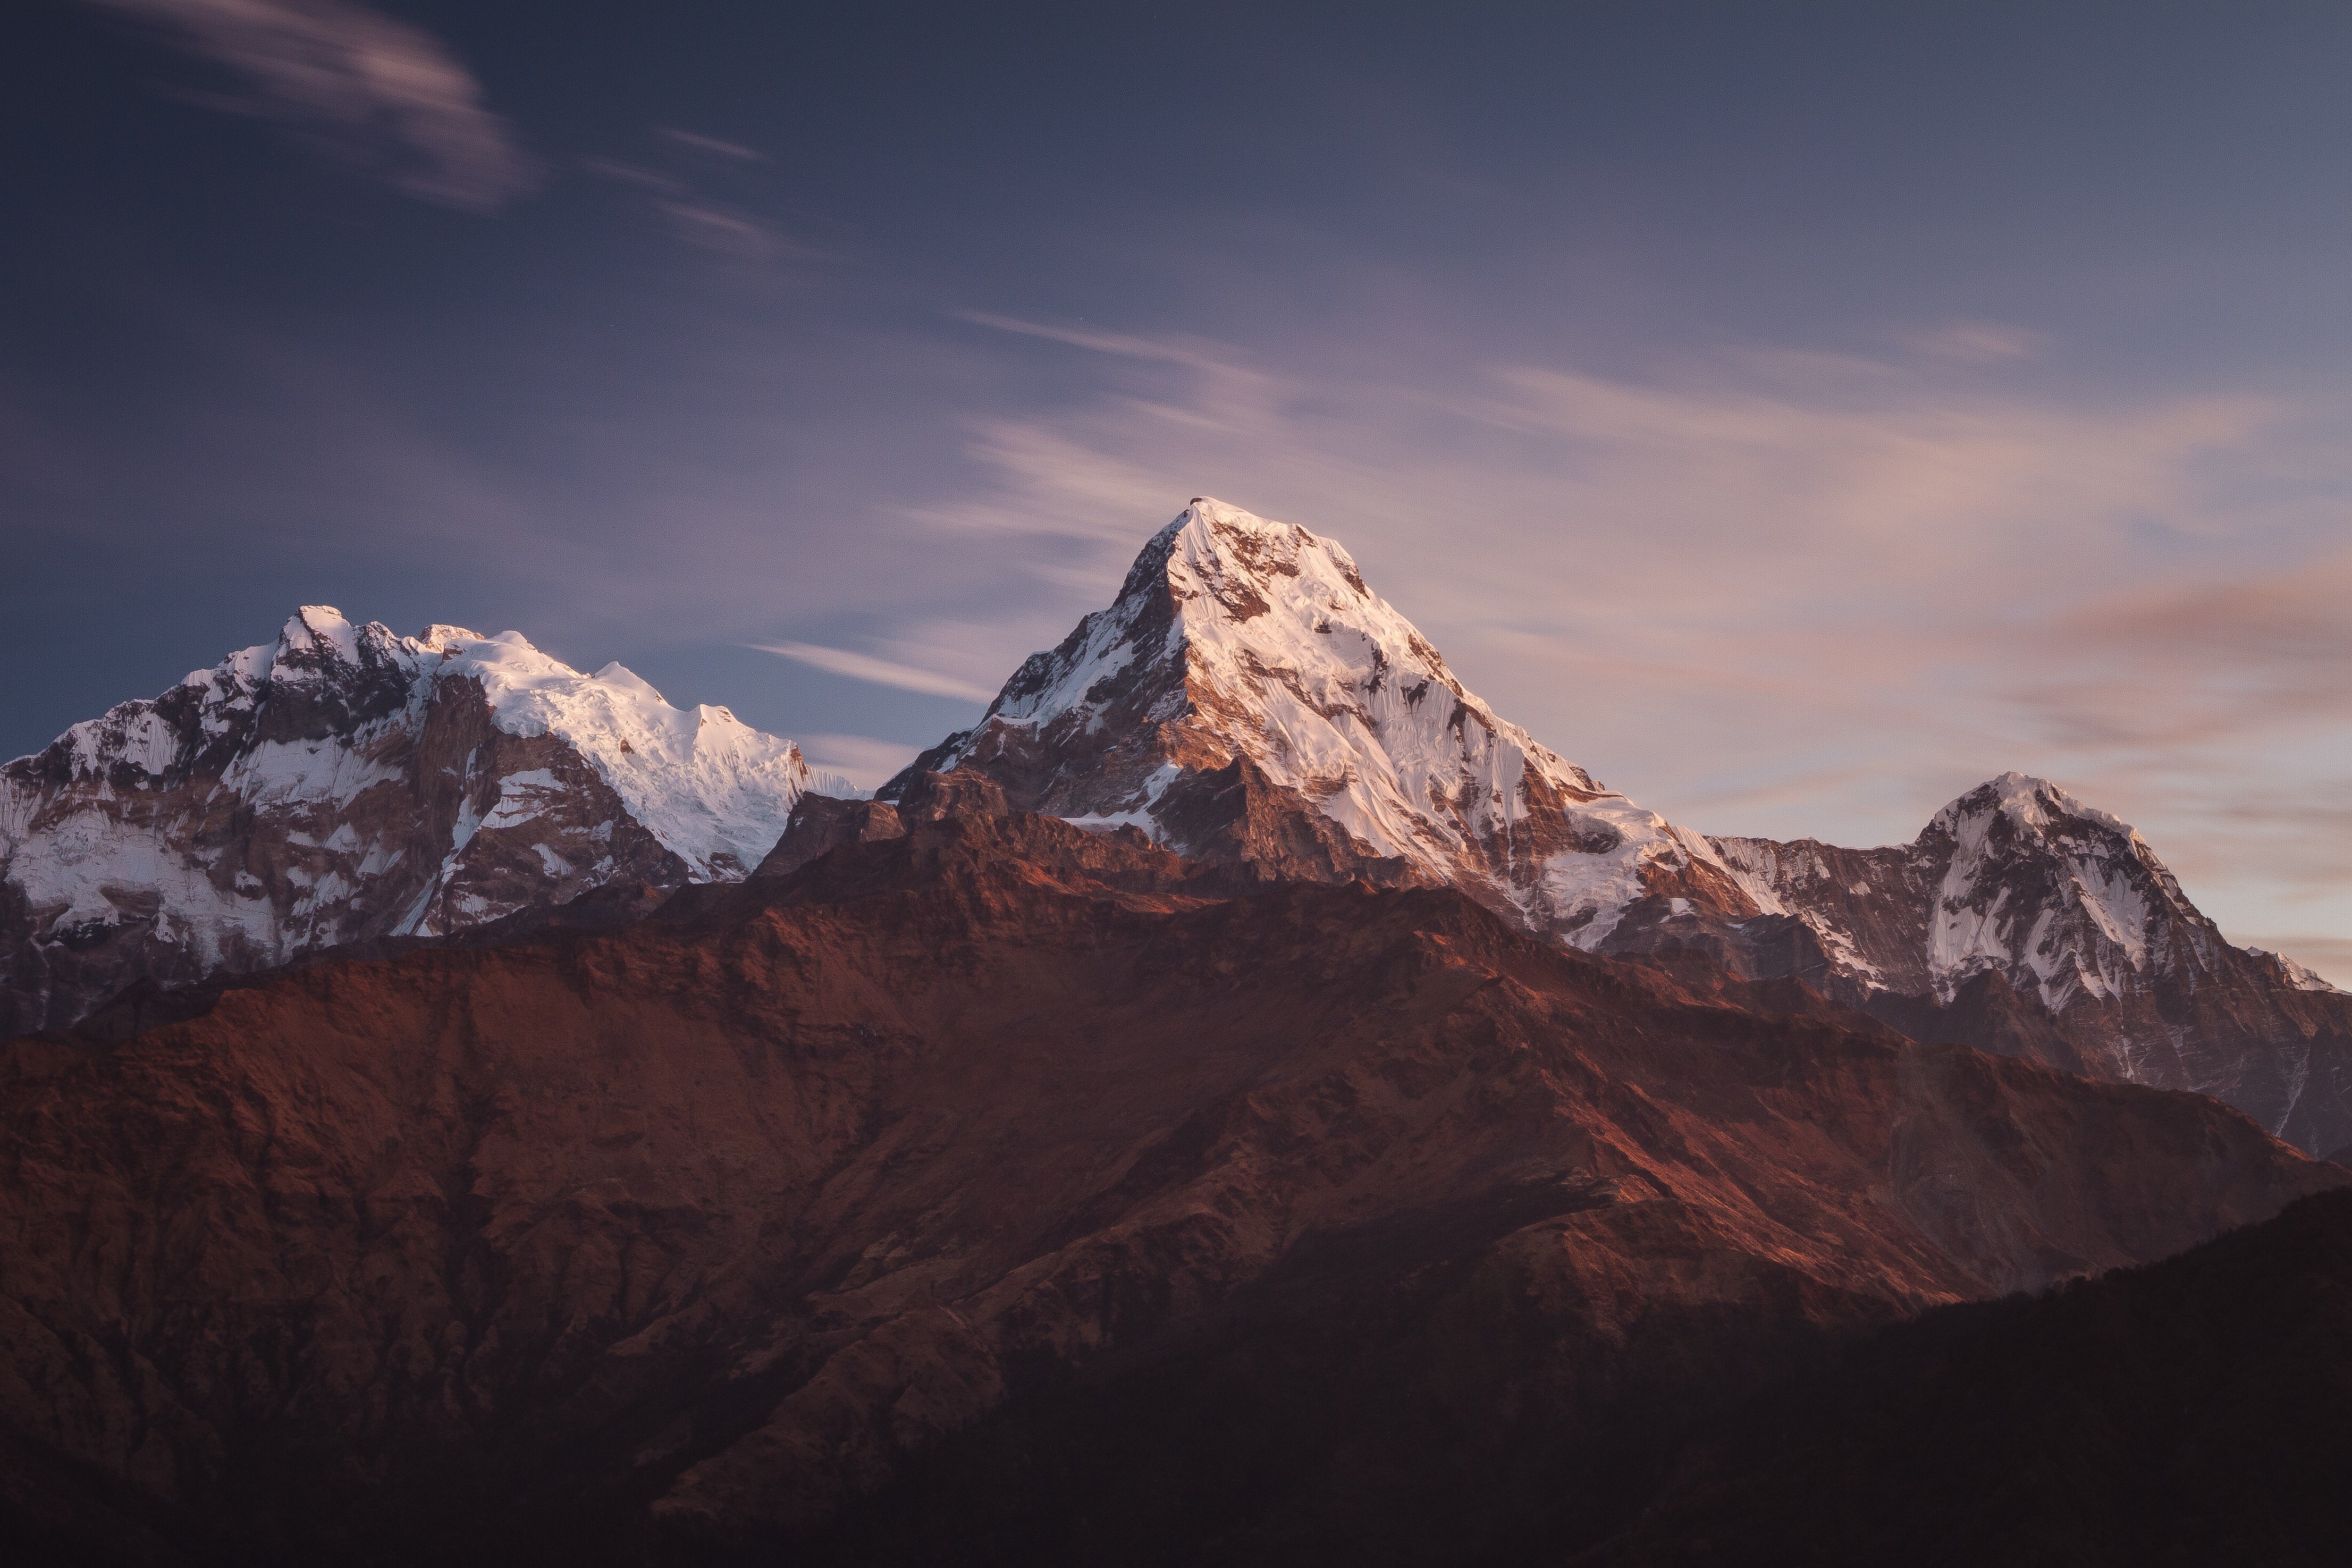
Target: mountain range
column 686, row 1237
column 1248, row 699
column 1243, row 1101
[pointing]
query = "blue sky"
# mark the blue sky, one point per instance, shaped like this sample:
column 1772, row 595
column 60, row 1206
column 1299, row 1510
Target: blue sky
column 1794, row 414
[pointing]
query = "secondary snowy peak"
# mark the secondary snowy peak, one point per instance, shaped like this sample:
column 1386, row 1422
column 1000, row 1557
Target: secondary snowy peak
column 714, row 790
column 711, row 788
column 2016, row 878
column 2036, row 884
column 2300, row 976
column 345, row 783
column 2019, row 893
column 1248, row 696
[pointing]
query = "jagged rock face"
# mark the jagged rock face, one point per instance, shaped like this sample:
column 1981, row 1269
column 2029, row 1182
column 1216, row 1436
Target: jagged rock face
column 2025, row 920
column 1248, row 698
column 819, row 823
column 699, row 1226
column 347, row 784
column 1866, row 910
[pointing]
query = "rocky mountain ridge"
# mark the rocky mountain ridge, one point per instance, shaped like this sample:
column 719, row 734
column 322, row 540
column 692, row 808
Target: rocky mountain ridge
column 346, row 783
column 1247, row 699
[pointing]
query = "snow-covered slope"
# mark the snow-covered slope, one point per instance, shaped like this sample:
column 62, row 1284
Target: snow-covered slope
column 1247, row 696
column 2054, row 895
column 2022, row 919
column 2300, row 976
column 2017, row 878
column 347, row 783
column 713, row 790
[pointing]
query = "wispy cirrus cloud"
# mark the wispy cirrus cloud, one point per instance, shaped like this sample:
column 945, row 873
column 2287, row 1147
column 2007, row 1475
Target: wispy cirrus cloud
column 879, row 671
column 1979, row 342
column 379, row 93
column 635, row 175
column 861, row 759
column 726, row 230
column 2198, row 661
column 1212, row 358
column 715, row 146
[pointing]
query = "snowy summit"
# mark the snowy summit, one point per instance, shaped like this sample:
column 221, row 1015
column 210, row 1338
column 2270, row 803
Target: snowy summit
column 346, row 783
column 1240, row 642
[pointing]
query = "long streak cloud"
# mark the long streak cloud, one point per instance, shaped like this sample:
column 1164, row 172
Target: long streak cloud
column 377, row 92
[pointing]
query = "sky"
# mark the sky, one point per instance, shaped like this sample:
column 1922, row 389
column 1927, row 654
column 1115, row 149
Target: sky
column 1794, row 414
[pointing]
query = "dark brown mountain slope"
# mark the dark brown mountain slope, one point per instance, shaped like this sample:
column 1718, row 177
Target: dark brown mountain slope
column 2197, row 1411
column 680, row 1235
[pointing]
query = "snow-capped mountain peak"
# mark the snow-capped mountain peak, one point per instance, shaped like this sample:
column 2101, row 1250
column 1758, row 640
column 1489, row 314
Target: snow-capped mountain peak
column 2018, row 891
column 345, row 782
column 2033, row 805
column 2302, row 978
column 2038, row 884
column 1235, row 639
column 713, row 789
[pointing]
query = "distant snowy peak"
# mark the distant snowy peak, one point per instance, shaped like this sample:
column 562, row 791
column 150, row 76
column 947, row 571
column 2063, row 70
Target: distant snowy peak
column 711, row 788
column 2017, row 891
column 2300, row 976
column 2034, row 804
column 1246, row 673
column 714, row 790
column 2016, row 877
column 837, row 785
column 2053, row 893
column 345, row 783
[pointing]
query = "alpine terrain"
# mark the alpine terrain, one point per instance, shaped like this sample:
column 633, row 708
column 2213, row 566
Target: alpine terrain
column 1248, row 699
column 346, row 783
column 971, row 1187
column 2022, row 921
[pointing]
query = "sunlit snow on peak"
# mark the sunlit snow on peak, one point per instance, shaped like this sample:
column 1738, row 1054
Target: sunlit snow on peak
column 1235, row 635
